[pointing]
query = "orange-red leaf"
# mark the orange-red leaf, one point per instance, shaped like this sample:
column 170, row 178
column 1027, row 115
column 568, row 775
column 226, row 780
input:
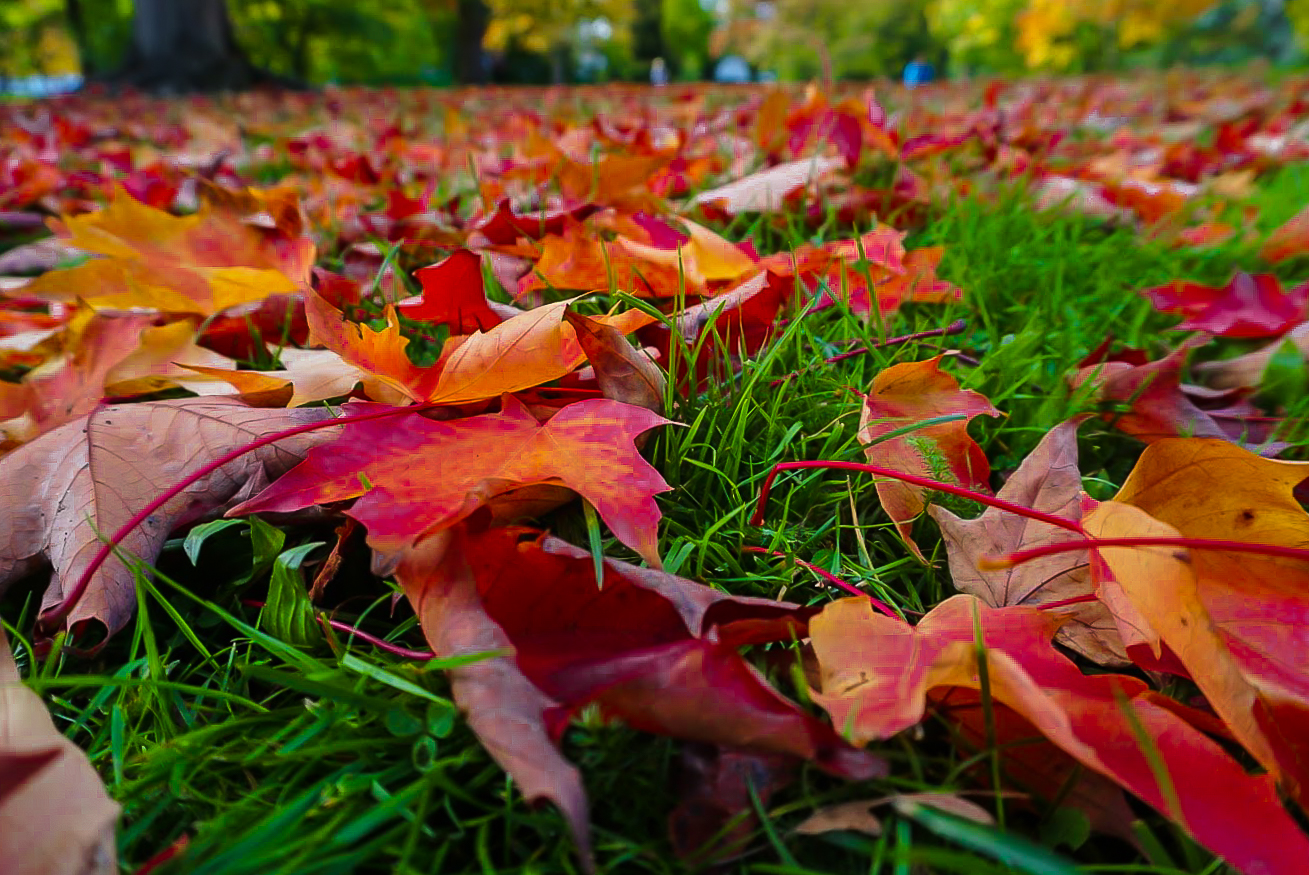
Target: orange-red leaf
column 1238, row 622
column 414, row 476
column 203, row 263
column 909, row 393
column 877, row 673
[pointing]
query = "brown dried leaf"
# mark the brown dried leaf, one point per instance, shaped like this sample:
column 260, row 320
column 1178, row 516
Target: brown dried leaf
column 624, row 373
column 91, row 476
column 1048, row 481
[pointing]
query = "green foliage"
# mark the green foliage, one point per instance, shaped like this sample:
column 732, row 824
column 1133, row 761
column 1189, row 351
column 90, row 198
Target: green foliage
column 686, row 26
column 978, row 34
column 857, row 40
column 326, row 40
column 33, row 39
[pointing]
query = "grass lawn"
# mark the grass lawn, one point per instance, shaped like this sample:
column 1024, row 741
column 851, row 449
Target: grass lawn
column 279, row 756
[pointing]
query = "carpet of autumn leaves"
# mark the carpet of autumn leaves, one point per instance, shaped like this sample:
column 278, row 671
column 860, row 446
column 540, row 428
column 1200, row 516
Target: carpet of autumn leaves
column 184, row 284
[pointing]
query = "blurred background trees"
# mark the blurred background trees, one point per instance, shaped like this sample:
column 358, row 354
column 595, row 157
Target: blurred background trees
column 470, row 41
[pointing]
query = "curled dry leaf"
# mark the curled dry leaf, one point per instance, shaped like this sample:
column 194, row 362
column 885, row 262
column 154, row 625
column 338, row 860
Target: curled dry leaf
column 87, row 478
column 1248, row 370
column 41, row 772
column 624, row 373
column 1048, row 480
column 765, row 191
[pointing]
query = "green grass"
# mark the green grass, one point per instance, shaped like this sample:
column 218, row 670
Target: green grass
column 334, row 757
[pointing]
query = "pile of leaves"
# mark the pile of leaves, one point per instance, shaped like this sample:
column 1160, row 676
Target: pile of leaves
column 436, row 329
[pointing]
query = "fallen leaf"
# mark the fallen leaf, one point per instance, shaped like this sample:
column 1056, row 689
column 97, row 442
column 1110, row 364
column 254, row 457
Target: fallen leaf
column 1288, row 240
column 909, row 393
column 765, row 190
column 528, row 350
column 1248, row 370
column 203, row 263
column 38, row 257
column 454, row 294
column 41, row 772
column 715, row 817
column 414, row 476
column 624, row 373
column 877, row 673
column 90, row 477
column 1238, row 622
column 503, row 708
column 1156, row 406
column 1048, row 480
column 858, row 816
column 652, row 657
column 309, row 375
column 1248, row 306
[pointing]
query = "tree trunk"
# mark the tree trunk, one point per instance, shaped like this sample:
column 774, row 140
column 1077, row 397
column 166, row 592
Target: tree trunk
column 77, row 25
column 181, row 46
column 471, row 20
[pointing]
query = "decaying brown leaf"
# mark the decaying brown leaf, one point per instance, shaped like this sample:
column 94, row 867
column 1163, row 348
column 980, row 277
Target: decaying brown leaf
column 1048, row 481
column 59, row 493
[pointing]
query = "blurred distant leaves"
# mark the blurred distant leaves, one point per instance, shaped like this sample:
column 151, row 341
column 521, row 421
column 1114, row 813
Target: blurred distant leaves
column 425, row 41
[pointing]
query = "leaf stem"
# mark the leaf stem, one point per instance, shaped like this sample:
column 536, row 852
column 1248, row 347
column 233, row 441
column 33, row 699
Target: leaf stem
column 1009, row 560
column 925, row 482
column 831, row 579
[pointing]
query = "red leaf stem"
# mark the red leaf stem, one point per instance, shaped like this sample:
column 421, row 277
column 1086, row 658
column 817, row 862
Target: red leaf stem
column 925, row 482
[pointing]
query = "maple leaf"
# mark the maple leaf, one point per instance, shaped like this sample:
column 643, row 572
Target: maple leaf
column 309, row 375
column 203, row 263
column 878, row 673
column 903, row 395
column 582, row 260
column 71, row 385
column 1248, row 306
column 1048, row 481
column 654, row 650
column 454, row 294
column 1238, row 622
column 40, row 771
column 532, row 348
column 415, row 477
column 765, row 191
column 1158, row 408
column 89, row 477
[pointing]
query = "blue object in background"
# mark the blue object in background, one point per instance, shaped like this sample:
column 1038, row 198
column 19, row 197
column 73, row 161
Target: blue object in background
column 918, row 72
column 40, row 86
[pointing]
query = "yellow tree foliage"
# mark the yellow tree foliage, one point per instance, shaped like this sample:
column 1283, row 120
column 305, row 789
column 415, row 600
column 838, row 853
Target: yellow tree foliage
column 549, row 25
column 1298, row 13
column 1046, row 28
column 976, row 32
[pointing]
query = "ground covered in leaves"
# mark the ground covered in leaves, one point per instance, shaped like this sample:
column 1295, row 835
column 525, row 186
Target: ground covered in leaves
column 377, row 463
